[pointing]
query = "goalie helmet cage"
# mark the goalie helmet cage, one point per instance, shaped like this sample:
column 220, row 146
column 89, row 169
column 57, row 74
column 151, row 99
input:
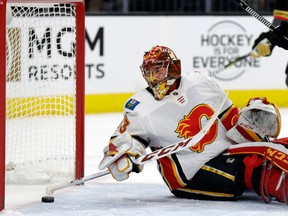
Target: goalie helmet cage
column 42, row 64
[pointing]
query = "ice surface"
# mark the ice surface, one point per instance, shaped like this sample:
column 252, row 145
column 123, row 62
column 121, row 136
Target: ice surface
column 141, row 194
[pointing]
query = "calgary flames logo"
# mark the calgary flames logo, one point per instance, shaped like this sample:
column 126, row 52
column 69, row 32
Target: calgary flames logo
column 191, row 124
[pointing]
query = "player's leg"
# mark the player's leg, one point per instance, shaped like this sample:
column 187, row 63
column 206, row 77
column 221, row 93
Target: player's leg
column 227, row 176
column 219, row 179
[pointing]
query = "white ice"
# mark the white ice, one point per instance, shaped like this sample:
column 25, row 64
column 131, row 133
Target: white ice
column 141, row 194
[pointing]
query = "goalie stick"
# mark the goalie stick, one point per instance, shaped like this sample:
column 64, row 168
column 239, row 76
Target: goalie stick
column 155, row 155
column 51, row 188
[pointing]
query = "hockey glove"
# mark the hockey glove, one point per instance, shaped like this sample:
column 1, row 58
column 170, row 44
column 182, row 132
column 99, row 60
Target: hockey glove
column 258, row 120
column 264, row 44
column 119, row 156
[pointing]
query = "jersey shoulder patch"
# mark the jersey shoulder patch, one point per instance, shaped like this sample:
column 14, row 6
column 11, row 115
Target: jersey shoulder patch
column 131, row 104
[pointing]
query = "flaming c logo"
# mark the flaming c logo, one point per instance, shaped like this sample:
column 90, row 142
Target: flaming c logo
column 191, row 124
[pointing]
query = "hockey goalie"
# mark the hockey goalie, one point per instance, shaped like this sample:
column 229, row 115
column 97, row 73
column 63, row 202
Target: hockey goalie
column 239, row 152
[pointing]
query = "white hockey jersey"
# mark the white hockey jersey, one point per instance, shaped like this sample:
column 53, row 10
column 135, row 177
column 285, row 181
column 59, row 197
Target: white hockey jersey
column 176, row 117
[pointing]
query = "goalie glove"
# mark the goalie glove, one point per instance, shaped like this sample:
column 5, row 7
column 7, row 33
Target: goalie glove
column 120, row 154
column 264, row 44
column 258, row 120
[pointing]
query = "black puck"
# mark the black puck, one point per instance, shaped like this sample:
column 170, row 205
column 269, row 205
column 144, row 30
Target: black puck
column 47, row 199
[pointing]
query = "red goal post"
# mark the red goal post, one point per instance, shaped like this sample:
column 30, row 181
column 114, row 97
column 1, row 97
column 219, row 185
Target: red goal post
column 42, row 63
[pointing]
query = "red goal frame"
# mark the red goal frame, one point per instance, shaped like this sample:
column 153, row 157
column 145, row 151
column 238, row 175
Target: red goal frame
column 80, row 87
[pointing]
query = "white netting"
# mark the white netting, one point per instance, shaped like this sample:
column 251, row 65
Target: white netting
column 40, row 93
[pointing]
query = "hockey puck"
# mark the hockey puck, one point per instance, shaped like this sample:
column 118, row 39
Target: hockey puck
column 47, row 199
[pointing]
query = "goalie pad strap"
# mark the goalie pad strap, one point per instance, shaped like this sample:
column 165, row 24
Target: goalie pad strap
column 250, row 162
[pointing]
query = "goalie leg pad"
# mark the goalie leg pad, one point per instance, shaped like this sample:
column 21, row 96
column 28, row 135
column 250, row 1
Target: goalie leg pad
column 251, row 163
column 274, row 152
column 269, row 181
column 274, row 183
column 283, row 141
column 266, row 169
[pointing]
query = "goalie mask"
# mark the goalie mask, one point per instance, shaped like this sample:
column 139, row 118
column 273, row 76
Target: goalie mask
column 160, row 69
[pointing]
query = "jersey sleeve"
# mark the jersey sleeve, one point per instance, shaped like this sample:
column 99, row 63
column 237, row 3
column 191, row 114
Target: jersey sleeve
column 133, row 123
column 280, row 12
column 229, row 113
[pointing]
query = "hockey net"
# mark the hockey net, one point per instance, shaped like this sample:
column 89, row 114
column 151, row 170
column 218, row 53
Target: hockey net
column 44, row 91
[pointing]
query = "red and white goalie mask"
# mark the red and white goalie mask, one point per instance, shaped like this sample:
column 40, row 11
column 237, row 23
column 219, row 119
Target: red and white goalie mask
column 160, row 69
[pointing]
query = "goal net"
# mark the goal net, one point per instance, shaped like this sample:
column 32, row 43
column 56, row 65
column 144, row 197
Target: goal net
column 44, row 91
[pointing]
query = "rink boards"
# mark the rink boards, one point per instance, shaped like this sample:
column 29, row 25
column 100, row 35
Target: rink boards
column 115, row 46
